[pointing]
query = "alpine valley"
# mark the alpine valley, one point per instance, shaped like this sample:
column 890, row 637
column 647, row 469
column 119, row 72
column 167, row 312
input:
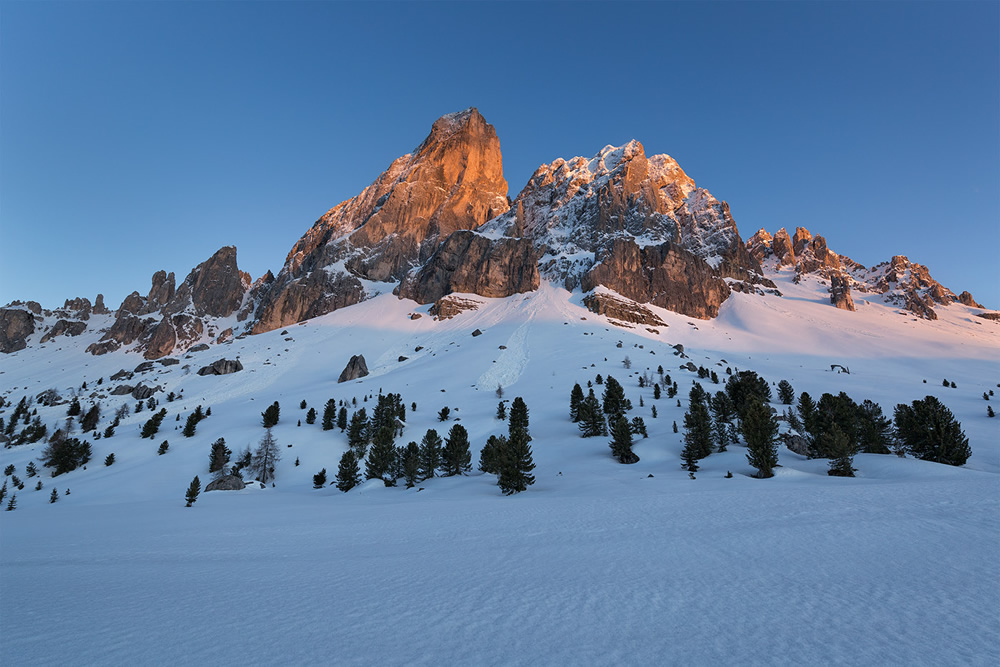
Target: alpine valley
column 433, row 300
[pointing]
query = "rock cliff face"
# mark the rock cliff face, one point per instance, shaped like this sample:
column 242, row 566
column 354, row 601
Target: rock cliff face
column 170, row 318
column 572, row 209
column 470, row 262
column 664, row 275
column 16, row 324
column 452, row 181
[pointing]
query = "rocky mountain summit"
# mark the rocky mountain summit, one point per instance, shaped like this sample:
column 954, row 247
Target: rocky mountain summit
column 626, row 228
column 904, row 283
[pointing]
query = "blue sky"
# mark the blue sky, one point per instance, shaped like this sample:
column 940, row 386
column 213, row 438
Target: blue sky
column 141, row 136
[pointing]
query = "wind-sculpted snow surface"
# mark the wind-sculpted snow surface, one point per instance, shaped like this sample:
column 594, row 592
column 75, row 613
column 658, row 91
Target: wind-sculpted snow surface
column 596, row 563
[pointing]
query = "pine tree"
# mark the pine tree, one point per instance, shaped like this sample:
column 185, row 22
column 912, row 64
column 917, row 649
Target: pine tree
column 109, row 459
column 311, row 418
column 411, row 464
column 515, row 463
column 357, row 433
column 807, row 412
column 74, row 408
column 348, row 473
column 929, row 431
column 271, row 415
column 842, row 459
column 723, row 414
column 430, row 454
column 690, row 457
column 265, row 458
column 456, row 457
column 190, row 425
column 989, row 411
column 613, row 399
column 760, row 430
column 518, row 422
column 3, row 491
column 319, row 479
column 575, row 399
column 698, row 424
column 654, row 412
column 192, row 491
column 591, row 417
column 501, row 411
column 150, row 428
column 443, row 414
column 656, row 391
column 786, row 394
column 302, row 405
column 342, row 418
column 31, row 470
column 38, row 487
column 330, row 415
column 89, row 421
column 489, row 456
column 164, row 447
column 382, row 457
column 54, row 496
column 218, row 457
column 12, row 503
column 621, row 440
column 638, row 427
column 9, row 470
column 874, row 429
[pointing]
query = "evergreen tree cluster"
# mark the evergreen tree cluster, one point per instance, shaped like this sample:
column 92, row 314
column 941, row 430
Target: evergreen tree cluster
column 271, row 415
column 152, row 425
column 64, row 454
column 192, row 422
column 509, row 457
column 928, row 430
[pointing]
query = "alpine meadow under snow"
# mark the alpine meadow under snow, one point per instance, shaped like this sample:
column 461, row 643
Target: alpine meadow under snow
column 677, row 558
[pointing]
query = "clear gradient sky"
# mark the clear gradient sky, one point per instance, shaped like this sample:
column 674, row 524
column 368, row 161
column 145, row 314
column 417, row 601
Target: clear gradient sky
column 141, row 136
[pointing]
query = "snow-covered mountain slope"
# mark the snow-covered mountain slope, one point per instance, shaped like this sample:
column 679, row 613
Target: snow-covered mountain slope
column 597, row 562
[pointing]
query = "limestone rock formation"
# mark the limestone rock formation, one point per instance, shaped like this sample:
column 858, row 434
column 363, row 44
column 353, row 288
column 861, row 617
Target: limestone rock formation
column 16, row 324
column 99, row 307
column 622, row 310
column 664, row 275
column 470, row 262
column 453, row 180
column 449, row 306
column 356, row 368
column 64, row 328
column 226, row 483
column 214, row 288
column 840, row 292
column 572, row 210
column 221, row 367
column 161, row 291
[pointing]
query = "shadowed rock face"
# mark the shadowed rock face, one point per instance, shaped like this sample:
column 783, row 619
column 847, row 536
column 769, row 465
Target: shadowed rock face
column 214, row 288
column 664, row 275
column 356, row 368
column 315, row 294
column 64, row 328
column 470, row 262
column 15, row 327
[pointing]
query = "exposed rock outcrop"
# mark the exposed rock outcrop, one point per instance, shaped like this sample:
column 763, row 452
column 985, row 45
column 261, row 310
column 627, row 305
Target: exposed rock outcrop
column 356, row 368
column 161, row 291
column 214, row 288
column 840, row 292
column 664, row 275
column 967, row 299
column 221, row 367
column 141, row 392
column 315, row 294
column 16, row 324
column 64, row 328
column 470, row 262
column 226, row 483
column 99, row 307
column 603, row 303
column 448, row 307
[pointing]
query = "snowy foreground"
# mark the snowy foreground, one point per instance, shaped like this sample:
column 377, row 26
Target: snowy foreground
column 597, row 563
